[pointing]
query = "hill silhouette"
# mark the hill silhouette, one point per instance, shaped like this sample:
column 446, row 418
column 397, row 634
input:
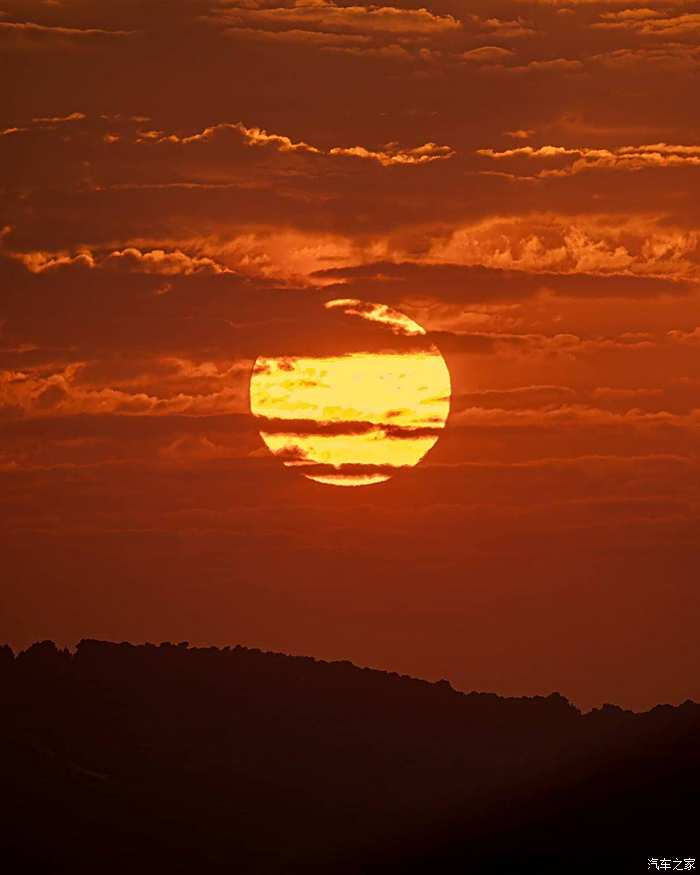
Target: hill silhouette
column 124, row 758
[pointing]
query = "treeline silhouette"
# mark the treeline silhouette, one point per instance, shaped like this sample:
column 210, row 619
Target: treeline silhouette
column 122, row 758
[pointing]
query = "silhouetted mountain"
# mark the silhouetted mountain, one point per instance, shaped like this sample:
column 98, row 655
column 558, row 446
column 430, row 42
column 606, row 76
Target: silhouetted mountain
column 122, row 758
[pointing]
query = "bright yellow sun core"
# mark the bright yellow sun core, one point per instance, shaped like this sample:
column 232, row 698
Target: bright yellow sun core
column 355, row 419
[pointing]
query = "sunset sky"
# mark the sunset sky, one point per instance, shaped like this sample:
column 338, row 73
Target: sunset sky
column 187, row 185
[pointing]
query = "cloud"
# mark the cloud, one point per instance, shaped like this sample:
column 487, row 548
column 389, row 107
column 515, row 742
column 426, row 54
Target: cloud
column 381, row 33
column 487, row 54
column 631, row 158
column 388, row 155
column 380, row 313
column 689, row 338
column 298, row 36
column 196, row 448
column 588, row 244
column 391, row 52
column 632, row 14
column 31, row 36
column 617, row 393
column 159, row 261
column 504, row 28
column 159, row 390
column 332, row 428
column 38, row 262
column 155, row 261
column 404, row 282
column 542, row 243
column 627, row 3
column 59, row 119
column 497, row 64
column 251, row 136
column 651, row 23
column 670, row 57
column 572, row 416
column 530, row 152
column 520, row 133
column 31, row 26
column 517, row 398
column 44, row 123
column 393, row 154
column 203, row 315
column 327, row 16
column 277, row 253
column 555, row 65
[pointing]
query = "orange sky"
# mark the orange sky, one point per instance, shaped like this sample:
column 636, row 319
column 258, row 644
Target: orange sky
column 184, row 187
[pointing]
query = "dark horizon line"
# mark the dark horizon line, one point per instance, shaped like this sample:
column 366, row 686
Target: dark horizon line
column 443, row 684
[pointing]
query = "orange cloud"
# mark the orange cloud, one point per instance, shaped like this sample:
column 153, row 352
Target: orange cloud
column 327, row 16
column 196, row 448
column 251, row 136
column 157, row 261
column 529, row 151
column 632, row 14
column 487, row 54
column 392, row 154
column 30, row 35
column 689, row 338
column 517, row 397
column 380, row 313
column 38, row 262
column 620, row 158
column 670, row 57
column 628, row 3
column 505, row 29
column 644, row 245
column 651, row 23
column 560, row 65
column 258, row 137
column 389, row 154
column 59, row 119
column 41, row 392
column 546, row 65
column 40, row 122
column 320, row 38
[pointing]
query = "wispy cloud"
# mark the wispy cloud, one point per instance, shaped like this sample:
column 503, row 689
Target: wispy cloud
column 387, row 155
column 630, row 158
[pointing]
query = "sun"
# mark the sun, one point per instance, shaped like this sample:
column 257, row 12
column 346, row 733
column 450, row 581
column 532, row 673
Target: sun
column 356, row 418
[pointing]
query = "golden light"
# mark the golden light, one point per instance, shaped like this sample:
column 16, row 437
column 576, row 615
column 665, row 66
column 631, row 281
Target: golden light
column 354, row 419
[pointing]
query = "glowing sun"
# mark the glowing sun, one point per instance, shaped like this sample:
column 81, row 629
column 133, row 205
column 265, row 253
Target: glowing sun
column 359, row 417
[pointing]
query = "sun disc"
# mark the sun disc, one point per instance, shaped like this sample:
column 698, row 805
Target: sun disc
column 357, row 418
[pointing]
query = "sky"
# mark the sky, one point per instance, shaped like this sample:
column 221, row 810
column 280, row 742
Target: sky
column 188, row 186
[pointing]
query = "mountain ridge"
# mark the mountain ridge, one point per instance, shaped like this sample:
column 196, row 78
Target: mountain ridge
column 286, row 764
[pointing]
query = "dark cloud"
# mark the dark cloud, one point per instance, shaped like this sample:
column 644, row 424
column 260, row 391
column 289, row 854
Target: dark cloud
column 299, row 427
column 450, row 282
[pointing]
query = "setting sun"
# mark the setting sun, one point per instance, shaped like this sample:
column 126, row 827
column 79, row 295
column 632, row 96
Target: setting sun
column 355, row 419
